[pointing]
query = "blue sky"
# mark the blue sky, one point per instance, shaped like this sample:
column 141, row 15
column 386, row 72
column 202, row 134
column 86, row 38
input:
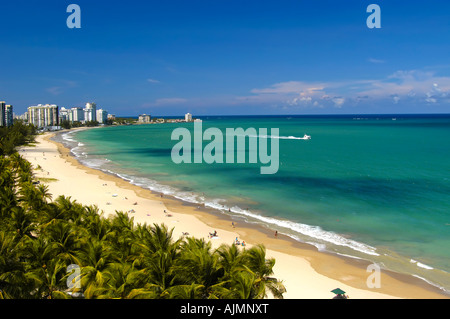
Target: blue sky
column 217, row 57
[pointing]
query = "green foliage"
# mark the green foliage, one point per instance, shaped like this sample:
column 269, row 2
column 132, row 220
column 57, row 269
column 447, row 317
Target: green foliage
column 65, row 124
column 40, row 238
column 15, row 135
column 91, row 123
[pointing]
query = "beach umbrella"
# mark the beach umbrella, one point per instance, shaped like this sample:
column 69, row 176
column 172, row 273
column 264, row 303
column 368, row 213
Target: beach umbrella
column 338, row 291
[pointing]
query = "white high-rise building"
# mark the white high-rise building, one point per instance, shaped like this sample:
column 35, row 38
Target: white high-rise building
column 188, row 117
column 64, row 114
column 144, row 118
column 9, row 115
column 77, row 114
column 102, row 116
column 90, row 112
column 43, row 115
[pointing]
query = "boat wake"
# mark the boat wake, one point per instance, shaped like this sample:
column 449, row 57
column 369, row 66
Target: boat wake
column 305, row 137
column 290, row 137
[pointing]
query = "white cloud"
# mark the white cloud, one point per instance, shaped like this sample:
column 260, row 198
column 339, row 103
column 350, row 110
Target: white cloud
column 376, row 61
column 65, row 84
column 152, row 81
column 338, row 101
column 400, row 86
column 299, row 100
column 170, row 101
column 436, row 87
column 54, row 90
column 291, row 87
column 395, row 98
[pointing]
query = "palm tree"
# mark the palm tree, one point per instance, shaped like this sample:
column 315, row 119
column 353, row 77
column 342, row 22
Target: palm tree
column 255, row 260
column 96, row 257
column 192, row 291
column 31, row 197
column 245, row 285
column 23, row 168
column 63, row 241
column 230, row 258
column 151, row 239
column 122, row 281
column 7, row 180
column 43, row 192
column 50, row 279
column 156, row 253
column 122, row 235
column 98, row 228
column 200, row 265
column 8, row 201
column 21, row 221
column 69, row 210
column 13, row 282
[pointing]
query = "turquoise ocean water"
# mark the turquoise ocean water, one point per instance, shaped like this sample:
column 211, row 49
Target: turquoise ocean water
column 371, row 187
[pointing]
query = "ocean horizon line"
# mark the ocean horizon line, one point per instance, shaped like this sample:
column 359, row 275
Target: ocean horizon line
column 347, row 115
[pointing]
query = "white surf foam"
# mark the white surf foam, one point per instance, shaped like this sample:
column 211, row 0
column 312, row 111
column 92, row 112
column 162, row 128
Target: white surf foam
column 421, row 265
column 315, row 232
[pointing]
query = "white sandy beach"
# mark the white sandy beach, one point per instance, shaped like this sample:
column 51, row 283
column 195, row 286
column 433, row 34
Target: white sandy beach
column 306, row 273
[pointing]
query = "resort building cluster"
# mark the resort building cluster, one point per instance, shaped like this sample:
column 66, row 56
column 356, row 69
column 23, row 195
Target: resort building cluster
column 51, row 116
column 145, row 118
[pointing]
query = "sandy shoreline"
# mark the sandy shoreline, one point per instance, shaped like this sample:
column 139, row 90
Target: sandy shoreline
column 305, row 272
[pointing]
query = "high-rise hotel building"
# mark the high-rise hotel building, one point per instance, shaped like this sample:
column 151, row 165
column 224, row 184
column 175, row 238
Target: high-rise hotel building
column 6, row 114
column 9, row 115
column 102, row 116
column 77, row 114
column 90, row 112
column 2, row 113
column 43, row 115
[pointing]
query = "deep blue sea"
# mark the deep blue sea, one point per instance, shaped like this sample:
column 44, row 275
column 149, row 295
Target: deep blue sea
column 375, row 187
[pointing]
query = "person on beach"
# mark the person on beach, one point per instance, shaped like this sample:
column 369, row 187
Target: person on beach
column 276, row 233
column 211, row 235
